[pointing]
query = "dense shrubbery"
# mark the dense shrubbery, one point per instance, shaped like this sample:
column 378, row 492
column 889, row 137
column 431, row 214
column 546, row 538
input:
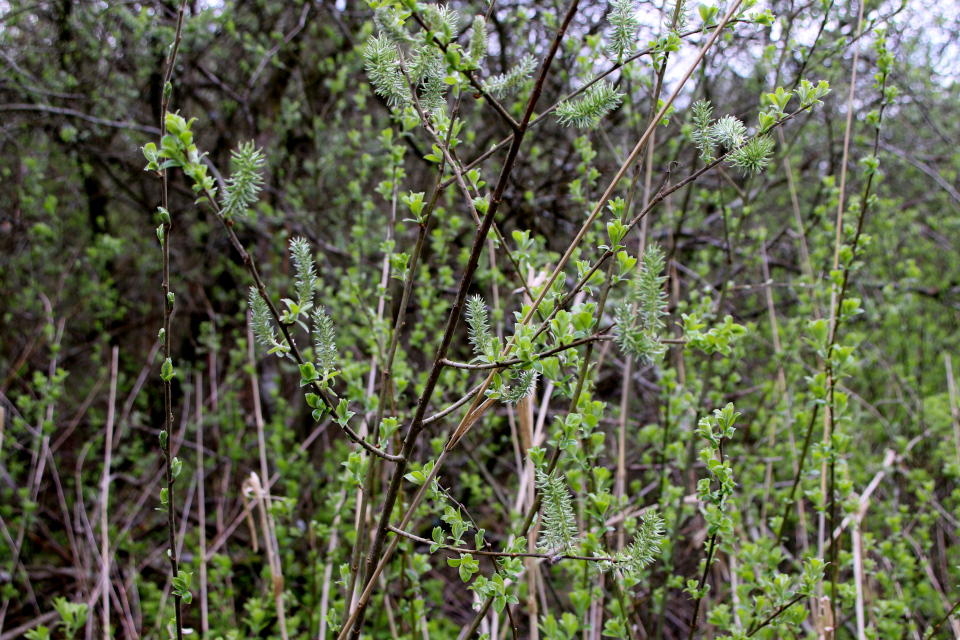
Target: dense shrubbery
column 525, row 319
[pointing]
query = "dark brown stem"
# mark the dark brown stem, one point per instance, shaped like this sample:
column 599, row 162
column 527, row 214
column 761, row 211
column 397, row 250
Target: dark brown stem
column 937, row 626
column 543, row 354
column 776, row 614
column 501, row 554
column 167, row 338
column 703, row 580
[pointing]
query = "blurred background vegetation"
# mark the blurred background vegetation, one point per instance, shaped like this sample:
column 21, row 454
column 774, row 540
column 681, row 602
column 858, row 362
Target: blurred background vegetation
column 81, row 83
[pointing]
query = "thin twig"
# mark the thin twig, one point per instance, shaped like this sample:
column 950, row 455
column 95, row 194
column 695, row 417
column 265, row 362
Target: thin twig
column 105, row 490
column 502, row 554
column 201, row 509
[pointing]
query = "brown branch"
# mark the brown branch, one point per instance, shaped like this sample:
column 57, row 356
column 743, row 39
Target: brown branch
column 544, row 354
column 502, row 554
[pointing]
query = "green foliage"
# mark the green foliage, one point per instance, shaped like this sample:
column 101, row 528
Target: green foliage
column 646, row 544
column 181, row 586
column 262, row 323
column 324, row 341
column 306, row 275
column 830, row 334
column 73, row 616
column 703, row 130
column 639, row 318
column 511, row 81
column 754, row 156
column 558, row 527
column 622, row 33
column 588, row 110
column 728, row 132
column 383, row 68
column 244, row 184
column 478, row 41
column 483, row 343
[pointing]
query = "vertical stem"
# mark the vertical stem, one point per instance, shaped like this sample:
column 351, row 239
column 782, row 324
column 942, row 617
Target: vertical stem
column 105, row 493
column 266, row 504
column 167, row 313
column 201, row 510
column 362, row 494
column 843, row 164
column 328, row 569
column 703, row 580
column 621, row 478
column 834, row 293
column 954, row 409
column 386, row 378
column 858, row 578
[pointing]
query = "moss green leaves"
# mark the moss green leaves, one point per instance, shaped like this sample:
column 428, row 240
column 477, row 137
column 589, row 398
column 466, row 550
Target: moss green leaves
column 324, row 342
column 262, row 324
column 638, row 318
column 754, row 156
column 244, row 184
column 382, row 62
column 749, row 155
column 466, row 565
column 621, row 35
column 485, row 346
column 181, row 586
column 166, row 370
column 506, row 83
column 478, row 41
column 587, row 110
column 306, row 273
column 73, row 616
column 646, row 543
column 558, row 525
column 702, row 135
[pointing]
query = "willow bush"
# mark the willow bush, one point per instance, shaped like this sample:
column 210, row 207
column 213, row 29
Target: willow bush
column 414, row 320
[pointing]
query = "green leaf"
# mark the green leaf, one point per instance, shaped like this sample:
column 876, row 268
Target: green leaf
column 166, row 370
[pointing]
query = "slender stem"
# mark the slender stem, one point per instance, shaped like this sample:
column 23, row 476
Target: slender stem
column 201, row 509
column 502, row 554
column 385, row 380
column 703, row 579
column 105, row 491
column 261, row 288
column 168, row 339
column 456, row 405
column 936, row 627
column 263, row 495
column 597, row 337
column 776, row 614
column 837, row 304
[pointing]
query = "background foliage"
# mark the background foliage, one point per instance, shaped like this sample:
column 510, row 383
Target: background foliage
column 81, row 93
